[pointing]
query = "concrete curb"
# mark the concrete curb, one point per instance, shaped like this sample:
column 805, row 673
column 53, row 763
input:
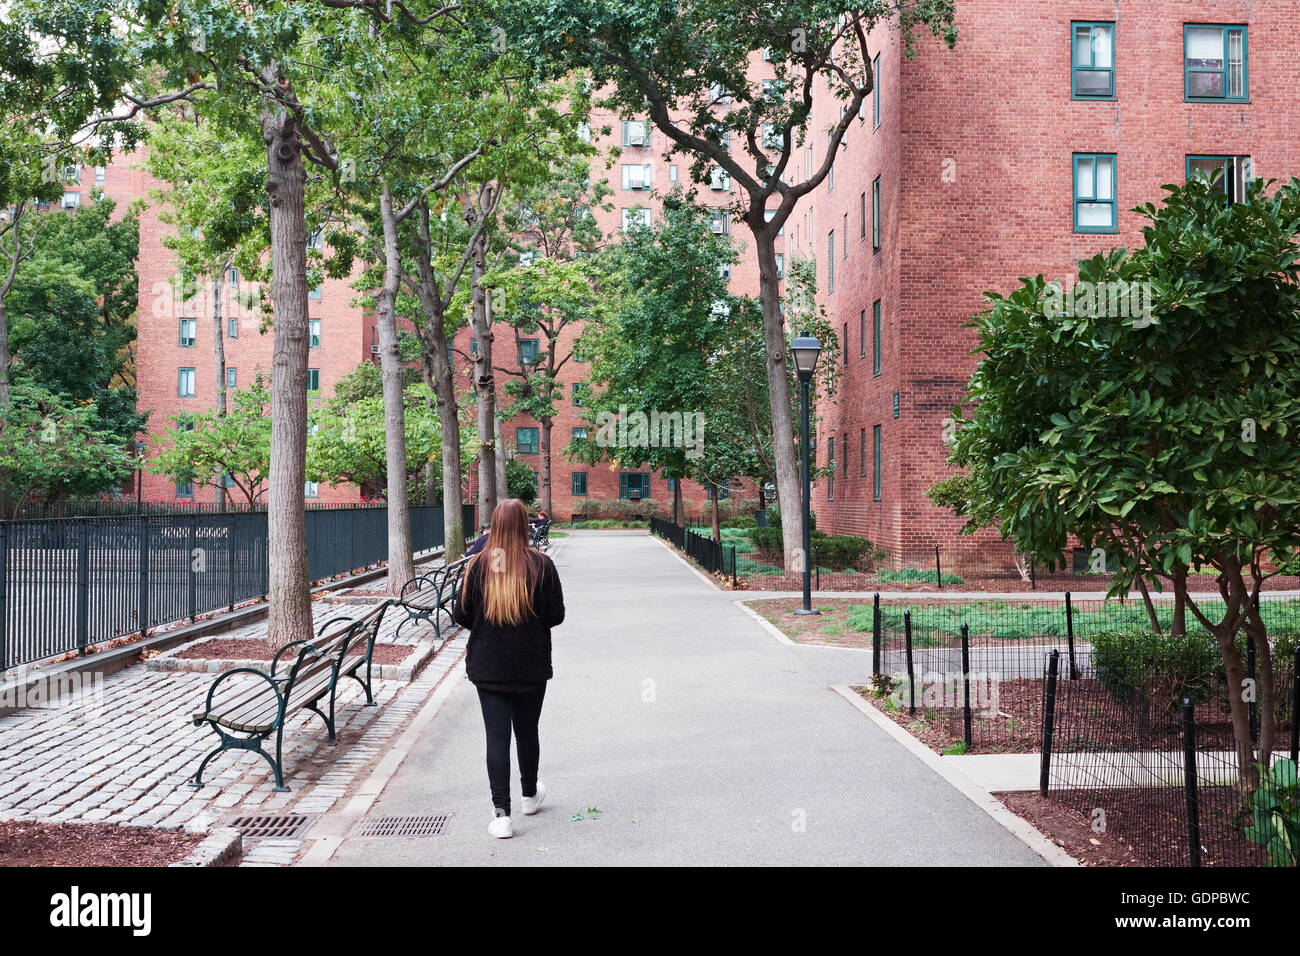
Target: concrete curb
column 785, row 638
column 221, row 846
column 1021, row 829
column 692, row 568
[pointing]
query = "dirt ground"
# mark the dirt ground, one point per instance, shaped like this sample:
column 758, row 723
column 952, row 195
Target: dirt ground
column 253, row 649
column 27, row 843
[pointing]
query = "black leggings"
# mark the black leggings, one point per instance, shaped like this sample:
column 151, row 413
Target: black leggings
column 500, row 711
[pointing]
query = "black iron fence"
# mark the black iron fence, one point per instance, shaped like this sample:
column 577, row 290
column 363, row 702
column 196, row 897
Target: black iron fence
column 713, row 556
column 974, row 669
column 69, row 583
column 1148, row 754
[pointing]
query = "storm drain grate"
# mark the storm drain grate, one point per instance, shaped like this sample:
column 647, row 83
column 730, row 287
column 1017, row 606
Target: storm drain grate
column 273, row 824
column 417, row 826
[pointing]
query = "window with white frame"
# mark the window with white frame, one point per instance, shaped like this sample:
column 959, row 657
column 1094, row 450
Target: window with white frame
column 634, row 217
column 637, row 176
column 189, row 333
column 636, row 133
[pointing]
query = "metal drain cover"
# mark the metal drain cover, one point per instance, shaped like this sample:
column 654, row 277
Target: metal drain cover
column 283, row 825
column 417, row 826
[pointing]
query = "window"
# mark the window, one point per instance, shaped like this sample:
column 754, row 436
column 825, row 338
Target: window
column 313, row 333
column 875, row 92
column 862, row 334
column 1232, row 173
column 311, row 489
column 528, row 351
column 1094, row 192
column 579, row 436
column 1215, row 65
column 639, row 216
column 875, row 215
column 830, row 476
column 830, row 271
column 232, row 327
column 875, row 463
column 584, row 131
column 316, row 293
column 1093, row 61
column 718, row 94
column 579, row 389
column 578, row 483
column 316, row 240
column 780, row 265
column 100, row 174
column 473, row 344
column 875, row 338
column 189, row 333
column 632, row 485
column 233, row 279
column 185, row 383
column 863, row 441
column 768, row 216
column 773, row 138
column 527, row 440
column 185, row 489
column 672, row 173
column 724, row 271
column 638, row 176
column 636, row 133
column 313, row 380
column 862, row 212
column 232, row 377
column 719, row 222
column 71, row 200
column 719, row 180
column 844, row 252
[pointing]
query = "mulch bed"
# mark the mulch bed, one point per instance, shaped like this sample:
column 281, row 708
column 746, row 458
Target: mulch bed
column 254, row 649
column 975, row 582
column 825, row 628
column 1072, row 830
column 1016, row 728
column 27, row 843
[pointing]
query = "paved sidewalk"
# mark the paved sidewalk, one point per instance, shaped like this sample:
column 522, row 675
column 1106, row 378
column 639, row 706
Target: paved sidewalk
column 699, row 737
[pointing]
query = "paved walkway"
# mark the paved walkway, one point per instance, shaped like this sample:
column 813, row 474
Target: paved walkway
column 698, row 737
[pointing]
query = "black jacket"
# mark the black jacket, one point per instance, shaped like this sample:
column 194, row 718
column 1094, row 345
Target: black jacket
column 510, row 653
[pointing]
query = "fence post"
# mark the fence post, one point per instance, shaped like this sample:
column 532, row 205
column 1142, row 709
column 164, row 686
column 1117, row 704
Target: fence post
column 1189, row 785
column 193, row 579
column 83, row 584
column 911, row 681
column 1049, row 722
column 1069, row 635
column 4, row 597
column 1253, row 704
column 1033, row 575
column 938, row 569
column 875, row 643
column 144, row 577
column 734, row 582
column 230, row 558
column 965, row 675
column 1295, row 706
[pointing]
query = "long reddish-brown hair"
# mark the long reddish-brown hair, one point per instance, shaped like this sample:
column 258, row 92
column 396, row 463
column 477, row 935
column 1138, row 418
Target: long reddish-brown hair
column 507, row 567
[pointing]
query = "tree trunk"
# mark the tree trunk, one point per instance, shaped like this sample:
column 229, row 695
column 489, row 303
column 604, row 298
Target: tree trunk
column 484, row 383
column 436, row 366
column 778, row 385
column 717, row 518
column 401, row 563
column 679, row 509
column 1225, row 636
column 1178, row 627
column 289, row 587
column 219, row 369
column 544, row 468
column 1265, row 691
column 503, row 485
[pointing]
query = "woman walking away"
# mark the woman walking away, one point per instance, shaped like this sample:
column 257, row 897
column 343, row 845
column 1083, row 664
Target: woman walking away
column 510, row 600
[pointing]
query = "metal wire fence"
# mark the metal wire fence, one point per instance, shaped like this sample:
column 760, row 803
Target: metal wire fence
column 68, row 583
column 713, row 556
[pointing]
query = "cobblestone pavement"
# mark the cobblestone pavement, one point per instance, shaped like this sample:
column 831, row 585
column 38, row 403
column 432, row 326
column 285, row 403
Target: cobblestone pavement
column 123, row 754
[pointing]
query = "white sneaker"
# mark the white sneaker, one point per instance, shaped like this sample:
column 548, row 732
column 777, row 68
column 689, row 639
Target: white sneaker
column 500, row 828
column 531, row 804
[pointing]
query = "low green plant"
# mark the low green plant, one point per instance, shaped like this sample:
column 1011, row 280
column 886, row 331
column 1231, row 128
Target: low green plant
column 1276, row 806
column 1158, row 668
column 956, row 750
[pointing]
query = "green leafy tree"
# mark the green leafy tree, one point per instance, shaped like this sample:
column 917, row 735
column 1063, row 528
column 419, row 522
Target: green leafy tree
column 688, row 67
column 1163, row 436
column 236, row 445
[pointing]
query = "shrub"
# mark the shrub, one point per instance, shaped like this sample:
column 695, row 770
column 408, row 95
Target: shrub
column 1157, row 668
column 740, row 521
column 600, row 509
column 839, row 552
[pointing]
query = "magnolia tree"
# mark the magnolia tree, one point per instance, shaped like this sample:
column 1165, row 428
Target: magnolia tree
column 689, row 68
column 1165, row 439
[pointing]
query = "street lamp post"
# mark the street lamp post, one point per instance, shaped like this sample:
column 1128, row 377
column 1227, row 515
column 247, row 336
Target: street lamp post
column 806, row 350
column 139, row 475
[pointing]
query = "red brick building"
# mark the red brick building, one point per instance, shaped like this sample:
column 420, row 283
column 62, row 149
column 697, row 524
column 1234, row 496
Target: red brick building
column 1019, row 151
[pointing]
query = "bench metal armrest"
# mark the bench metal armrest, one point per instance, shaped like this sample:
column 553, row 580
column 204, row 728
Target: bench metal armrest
column 275, row 661
column 274, row 685
column 422, row 580
column 341, row 619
